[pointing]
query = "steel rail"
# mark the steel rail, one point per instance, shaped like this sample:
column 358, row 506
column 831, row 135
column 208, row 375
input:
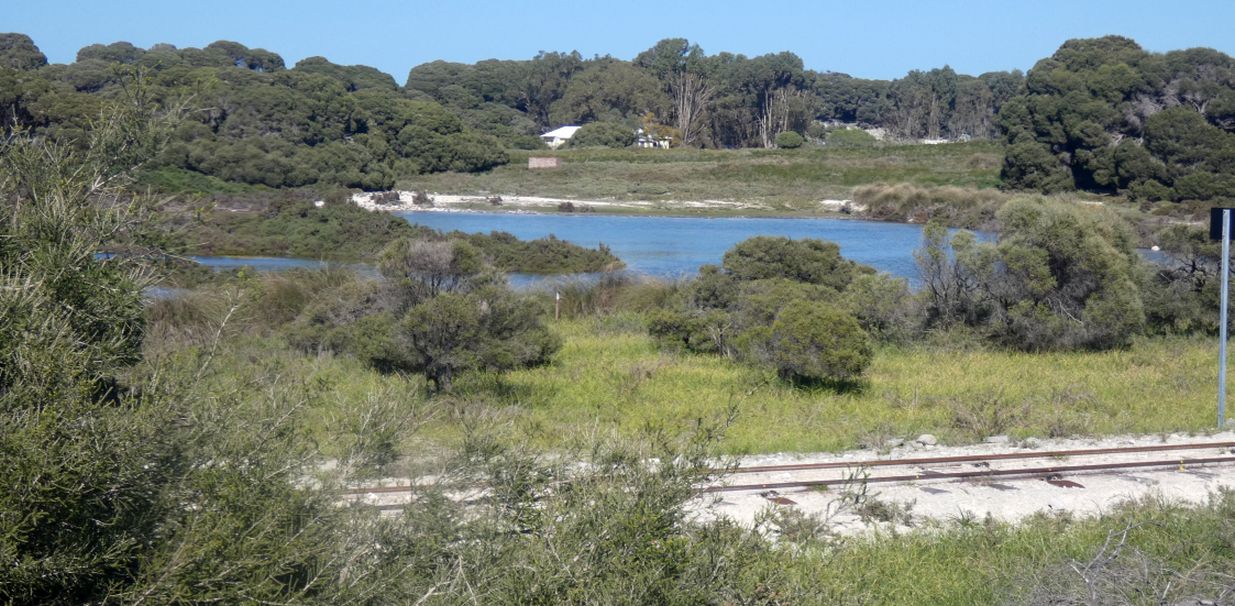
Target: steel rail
column 922, row 461
column 919, row 461
column 965, row 475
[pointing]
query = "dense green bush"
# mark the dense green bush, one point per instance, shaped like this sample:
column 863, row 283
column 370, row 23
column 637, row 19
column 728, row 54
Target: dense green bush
column 486, row 329
column 739, row 310
column 289, row 223
column 789, row 140
column 440, row 310
column 603, row 134
column 817, row 342
column 547, row 255
column 1103, row 114
column 850, row 137
column 1060, row 277
column 810, row 261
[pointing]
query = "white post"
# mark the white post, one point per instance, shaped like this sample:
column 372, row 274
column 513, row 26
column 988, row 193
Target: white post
column 1226, row 273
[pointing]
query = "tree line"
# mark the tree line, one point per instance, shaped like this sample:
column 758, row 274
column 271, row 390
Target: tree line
column 1100, row 115
column 718, row 100
column 262, row 122
column 1105, row 115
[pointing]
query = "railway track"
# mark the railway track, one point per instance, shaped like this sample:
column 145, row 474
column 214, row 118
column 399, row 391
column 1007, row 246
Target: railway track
column 980, row 467
column 1058, row 467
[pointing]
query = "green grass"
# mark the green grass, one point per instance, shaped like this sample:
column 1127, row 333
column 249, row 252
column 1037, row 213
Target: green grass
column 610, row 377
column 783, row 179
column 619, row 380
column 976, row 562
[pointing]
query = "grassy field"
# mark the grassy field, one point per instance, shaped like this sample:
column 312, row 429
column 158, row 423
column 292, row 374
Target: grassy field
column 784, row 179
column 1169, row 553
column 611, row 378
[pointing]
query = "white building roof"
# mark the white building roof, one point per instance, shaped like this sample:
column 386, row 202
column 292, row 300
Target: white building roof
column 562, row 132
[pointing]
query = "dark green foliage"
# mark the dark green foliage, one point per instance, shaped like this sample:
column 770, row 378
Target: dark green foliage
column 789, row 140
column 603, row 134
column 1059, row 278
column 547, row 255
column 420, row 269
column 612, row 90
column 441, row 310
column 883, row 306
column 817, row 342
column 17, row 51
column 353, row 77
column 810, row 261
column 1104, row 115
column 123, row 484
column 1181, row 293
column 485, row 329
column 261, row 124
column 739, row 310
column 290, row 225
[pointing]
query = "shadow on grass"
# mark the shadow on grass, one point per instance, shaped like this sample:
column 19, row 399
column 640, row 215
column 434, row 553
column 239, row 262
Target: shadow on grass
column 496, row 388
column 835, row 386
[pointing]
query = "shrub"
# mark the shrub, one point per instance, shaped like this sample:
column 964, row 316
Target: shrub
column 789, row 140
column 817, row 342
column 491, row 329
column 850, row 137
column 811, row 261
column 1061, row 277
column 603, row 134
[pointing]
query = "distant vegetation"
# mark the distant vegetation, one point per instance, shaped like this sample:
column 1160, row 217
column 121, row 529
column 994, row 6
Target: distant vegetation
column 779, row 179
column 316, row 123
column 1100, row 115
column 290, row 224
column 1105, row 115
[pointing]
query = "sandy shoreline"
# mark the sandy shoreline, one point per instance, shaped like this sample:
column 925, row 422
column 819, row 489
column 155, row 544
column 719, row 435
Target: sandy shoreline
column 404, row 201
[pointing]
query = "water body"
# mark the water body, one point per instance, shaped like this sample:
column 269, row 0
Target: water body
column 676, row 246
column 275, row 264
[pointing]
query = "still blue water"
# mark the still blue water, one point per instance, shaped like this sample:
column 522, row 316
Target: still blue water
column 676, row 246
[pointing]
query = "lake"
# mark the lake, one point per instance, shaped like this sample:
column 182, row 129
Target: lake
column 676, row 246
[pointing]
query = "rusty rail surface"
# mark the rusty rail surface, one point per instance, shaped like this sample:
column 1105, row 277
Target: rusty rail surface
column 922, row 461
column 926, row 474
column 1045, row 472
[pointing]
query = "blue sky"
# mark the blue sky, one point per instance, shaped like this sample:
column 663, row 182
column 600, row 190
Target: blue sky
column 866, row 39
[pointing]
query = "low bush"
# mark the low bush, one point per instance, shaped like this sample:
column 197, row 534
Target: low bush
column 817, row 342
column 789, row 140
column 952, row 206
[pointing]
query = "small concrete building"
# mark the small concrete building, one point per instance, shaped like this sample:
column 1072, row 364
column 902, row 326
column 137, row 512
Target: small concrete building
column 556, row 137
column 649, row 141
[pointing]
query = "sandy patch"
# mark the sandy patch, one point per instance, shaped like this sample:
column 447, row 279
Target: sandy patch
column 452, row 202
column 925, row 502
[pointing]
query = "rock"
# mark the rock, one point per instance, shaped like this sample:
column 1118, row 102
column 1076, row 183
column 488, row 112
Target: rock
column 927, row 439
column 893, row 442
column 996, row 440
column 1031, row 443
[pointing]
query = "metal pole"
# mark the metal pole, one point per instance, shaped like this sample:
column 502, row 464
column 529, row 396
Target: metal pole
column 1226, row 278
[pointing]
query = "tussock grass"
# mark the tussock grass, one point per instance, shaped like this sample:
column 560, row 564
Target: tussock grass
column 610, row 375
